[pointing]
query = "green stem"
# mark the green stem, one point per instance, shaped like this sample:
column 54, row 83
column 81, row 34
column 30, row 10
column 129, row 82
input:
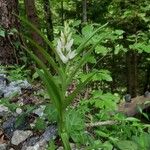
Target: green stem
column 62, row 131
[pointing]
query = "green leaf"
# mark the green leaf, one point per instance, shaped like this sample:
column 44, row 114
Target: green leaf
column 81, row 63
column 91, row 59
column 80, row 87
column 107, row 146
column 119, row 32
column 2, row 33
column 51, row 113
column 45, row 54
column 102, row 134
column 143, row 141
column 65, row 140
column 50, row 84
column 82, row 45
column 132, row 119
column 76, row 23
column 40, row 124
column 52, row 90
column 74, row 121
column 87, row 30
column 40, row 33
column 51, row 145
column 101, row 50
column 127, row 145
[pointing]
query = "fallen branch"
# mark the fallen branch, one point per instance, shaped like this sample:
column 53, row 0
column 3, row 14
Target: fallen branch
column 102, row 123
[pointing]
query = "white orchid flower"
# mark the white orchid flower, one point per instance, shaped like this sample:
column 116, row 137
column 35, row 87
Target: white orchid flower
column 64, row 45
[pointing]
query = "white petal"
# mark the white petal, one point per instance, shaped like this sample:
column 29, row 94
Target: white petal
column 61, row 55
column 69, row 45
column 71, row 54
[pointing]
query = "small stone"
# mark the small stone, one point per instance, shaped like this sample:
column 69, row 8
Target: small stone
column 4, row 111
column 9, row 126
column 127, row 98
column 39, row 111
column 3, row 108
column 30, row 142
column 3, row 146
column 60, row 148
column 41, row 145
column 147, row 94
column 18, row 110
column 50, row 133
column 20, row 136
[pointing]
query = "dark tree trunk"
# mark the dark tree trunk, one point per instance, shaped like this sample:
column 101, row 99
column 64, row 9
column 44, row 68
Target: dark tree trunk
column 113, row 68
column 84, row 22
column 84, row 11
column 131, row 62
column 8, row 21
column 48, row 16
column 33, row 18
column 147, row 79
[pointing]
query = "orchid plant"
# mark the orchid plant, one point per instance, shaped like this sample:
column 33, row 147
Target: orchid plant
column 64, row 54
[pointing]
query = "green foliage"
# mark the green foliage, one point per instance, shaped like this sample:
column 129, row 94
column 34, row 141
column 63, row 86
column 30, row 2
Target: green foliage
column 127, row 145
column 137, row 143
column 57, row 92
column 127, row 31
column 40, row 124
column 16, row 72
column 11, row 106
column 2, row 32
column 142, row 141
column 51, row 113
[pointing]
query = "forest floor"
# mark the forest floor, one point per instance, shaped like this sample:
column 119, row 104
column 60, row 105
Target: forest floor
column 19, row 129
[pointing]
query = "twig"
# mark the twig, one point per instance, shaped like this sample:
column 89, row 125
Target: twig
column 102, row 123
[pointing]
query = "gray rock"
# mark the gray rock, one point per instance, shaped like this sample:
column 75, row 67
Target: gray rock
column 4, row 111
column 3, row 84
column 14, row 87
column 10, row 90
column 3, row 108
column 9, row 126
column 127, row 98
column 39, row 111
column 41, row 145
column 20, row 136
column 3, row 146
column 50, row 133
column 147, row 94
column 30, row 142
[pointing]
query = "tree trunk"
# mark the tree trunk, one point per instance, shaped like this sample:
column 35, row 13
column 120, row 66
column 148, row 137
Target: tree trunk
column 84, row 22
column 48, row 18
column 147, row 79
column 8, row 21
column 113, row 70
column 84, row 11
column 131, row 62
column 33, row 18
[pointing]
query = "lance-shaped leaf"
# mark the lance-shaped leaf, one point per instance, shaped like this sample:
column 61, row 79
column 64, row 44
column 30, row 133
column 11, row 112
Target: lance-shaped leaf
column 45, row 54
column 40, row 33
column 82, row 45
column 50, row 90
column 81, row 62
column 55, row 90
column 65, row 139
column 80, row 87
